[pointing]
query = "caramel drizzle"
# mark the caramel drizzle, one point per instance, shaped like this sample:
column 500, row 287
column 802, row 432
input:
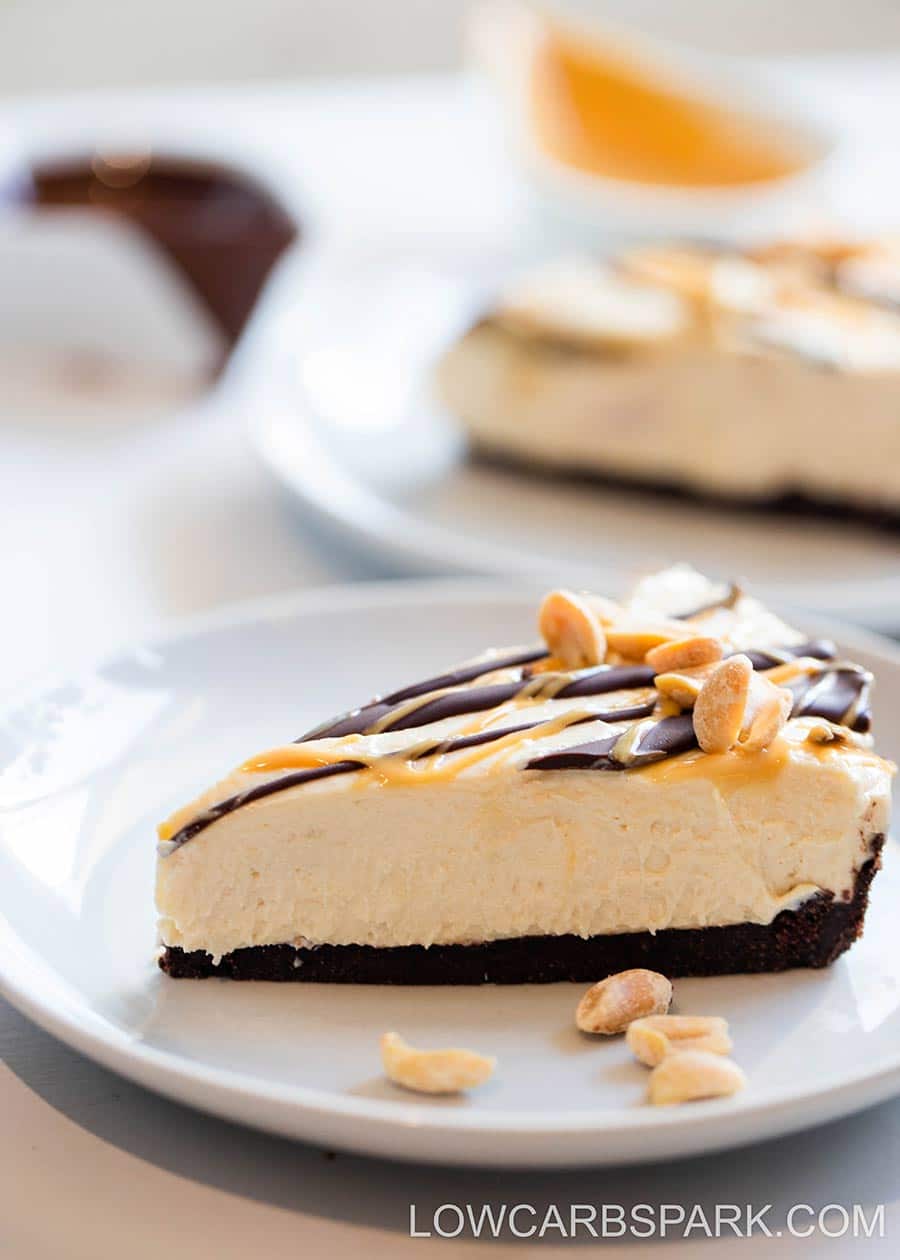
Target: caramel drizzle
column 822, row 686
column 308, row 766
column 437, row 699
column 439, row 683
column 231, row 803
column 435, row 706
column 303, row 756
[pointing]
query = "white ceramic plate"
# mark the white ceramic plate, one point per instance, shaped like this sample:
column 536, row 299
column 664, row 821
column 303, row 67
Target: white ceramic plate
column 90, row 764
column 337, row 370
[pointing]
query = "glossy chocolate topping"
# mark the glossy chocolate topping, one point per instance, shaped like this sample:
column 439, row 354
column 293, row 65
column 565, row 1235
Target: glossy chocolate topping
column 221, row 228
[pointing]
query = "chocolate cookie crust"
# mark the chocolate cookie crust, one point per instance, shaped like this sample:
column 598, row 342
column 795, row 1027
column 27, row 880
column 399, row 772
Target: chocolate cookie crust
column 812, row 936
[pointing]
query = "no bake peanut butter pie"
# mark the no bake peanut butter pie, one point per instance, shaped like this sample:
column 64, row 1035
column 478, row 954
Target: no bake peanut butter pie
column 680, row 782
column 764, row 378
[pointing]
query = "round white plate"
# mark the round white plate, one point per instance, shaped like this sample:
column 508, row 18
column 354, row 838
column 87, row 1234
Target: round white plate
column 337, row 371
column 91, row 763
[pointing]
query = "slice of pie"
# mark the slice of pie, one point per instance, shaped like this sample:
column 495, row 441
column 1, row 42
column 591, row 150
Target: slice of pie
column 681, row 782
column 767, row 378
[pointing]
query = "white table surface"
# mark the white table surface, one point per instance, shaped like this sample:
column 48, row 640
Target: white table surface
column 114, row 526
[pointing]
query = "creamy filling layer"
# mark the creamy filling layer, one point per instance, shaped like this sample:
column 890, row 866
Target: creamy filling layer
column 693, row 842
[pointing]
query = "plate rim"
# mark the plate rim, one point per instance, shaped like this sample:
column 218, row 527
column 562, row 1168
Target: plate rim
column 228, row 1092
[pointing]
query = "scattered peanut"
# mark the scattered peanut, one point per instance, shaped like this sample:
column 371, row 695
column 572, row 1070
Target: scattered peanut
column 655, row 1037
column 692, row 1075
column 768, row 708
column 612, row 1004
column 633, row 640
column 735, row 705
column 571, row 629
column 683, row 686
column 433, row 1071
column 685, row 653
column 647, row 1043
column 719, row 708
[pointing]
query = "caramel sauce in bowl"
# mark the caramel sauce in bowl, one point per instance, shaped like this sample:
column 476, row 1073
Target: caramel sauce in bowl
column 623, row 137
column 601, row 112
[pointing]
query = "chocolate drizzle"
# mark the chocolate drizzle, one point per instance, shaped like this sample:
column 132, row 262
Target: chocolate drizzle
column 597, row 682
column 488, row 737
column 837, row 692
column 299, row 777
column 466, row 673
column 589, row 682
column 666, row 738
column 356, row 721
column 269, row 788
column 455, row 704
column 817, row 649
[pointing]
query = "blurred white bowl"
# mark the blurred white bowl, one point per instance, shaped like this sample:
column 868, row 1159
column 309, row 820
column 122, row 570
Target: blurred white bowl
column 582, row 208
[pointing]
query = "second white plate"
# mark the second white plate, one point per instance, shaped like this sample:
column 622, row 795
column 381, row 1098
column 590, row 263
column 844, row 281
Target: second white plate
column 88, row 766
column 337, row 370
